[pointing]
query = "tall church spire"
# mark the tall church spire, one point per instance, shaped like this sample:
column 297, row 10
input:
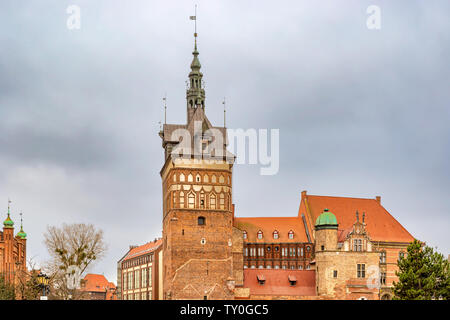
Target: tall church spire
column 195, row 94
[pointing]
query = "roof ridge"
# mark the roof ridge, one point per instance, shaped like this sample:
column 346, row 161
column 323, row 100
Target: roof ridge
column 314, row 195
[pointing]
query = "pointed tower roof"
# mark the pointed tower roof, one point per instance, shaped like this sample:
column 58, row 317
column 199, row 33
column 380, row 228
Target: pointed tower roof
column 195, row 65
column 21, row 234
column 8, row 223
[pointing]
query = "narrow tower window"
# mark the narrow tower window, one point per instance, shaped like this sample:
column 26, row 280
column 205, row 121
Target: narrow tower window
column 212, row 201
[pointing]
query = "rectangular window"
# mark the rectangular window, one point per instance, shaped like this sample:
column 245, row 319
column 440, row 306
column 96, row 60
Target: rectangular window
column 136, row 279
column 150, row 276
column 335, row 273
column 130, row 281
column 361, row 271
column 144, row 279
column 125, row 281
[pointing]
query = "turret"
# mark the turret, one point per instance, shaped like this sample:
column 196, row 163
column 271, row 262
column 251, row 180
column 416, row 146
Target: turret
column 326, row 232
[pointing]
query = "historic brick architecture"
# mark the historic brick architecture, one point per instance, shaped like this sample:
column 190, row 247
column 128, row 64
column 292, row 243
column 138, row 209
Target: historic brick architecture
column 97, row 287
column 335, row 248
column 202, row 255
column 13, row 251
column 139, row 272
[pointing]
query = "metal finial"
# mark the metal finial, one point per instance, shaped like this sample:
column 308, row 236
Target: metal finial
column 224, row 112
column 165, row 108
column 9, row 201
column 194, row 17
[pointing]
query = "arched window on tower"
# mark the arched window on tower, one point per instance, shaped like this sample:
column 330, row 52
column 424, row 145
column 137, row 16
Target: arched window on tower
column 197, row 178
column 221, row 179
column 182, row 178
column 205, row 178
column 174, row 199
column 202, row 199
column 222, row 201
column 191, row 200
column 213, row 178
column 190, row 178
column 182, row 199
column 212, row 201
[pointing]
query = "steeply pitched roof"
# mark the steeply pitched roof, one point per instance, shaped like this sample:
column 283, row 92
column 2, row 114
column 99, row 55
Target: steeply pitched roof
column 97, row 283
column 277, row 282
column 381, row 226
column 268, row 225
column 144, row 249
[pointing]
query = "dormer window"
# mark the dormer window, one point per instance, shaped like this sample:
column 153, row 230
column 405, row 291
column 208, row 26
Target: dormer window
column 275, row 234
column 244, row 234
column 291, row 234
column 260, row 234
column 357, row 245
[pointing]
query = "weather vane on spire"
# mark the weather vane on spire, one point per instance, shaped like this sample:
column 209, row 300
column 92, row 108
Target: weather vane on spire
column 194, row 17
column 9, row 201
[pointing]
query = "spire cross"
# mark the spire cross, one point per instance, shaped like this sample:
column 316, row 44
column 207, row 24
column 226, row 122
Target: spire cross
column 9, row 201
column 21, row 221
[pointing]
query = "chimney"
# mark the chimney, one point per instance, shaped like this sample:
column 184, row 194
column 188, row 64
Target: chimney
column 378, row 198
column 303, row 194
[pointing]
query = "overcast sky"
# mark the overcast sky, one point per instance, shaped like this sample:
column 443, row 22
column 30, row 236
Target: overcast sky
column 361, row 112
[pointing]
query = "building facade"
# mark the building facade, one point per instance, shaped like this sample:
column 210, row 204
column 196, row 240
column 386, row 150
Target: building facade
column 97, row 287
column 139, row 272
column 327, row 251
column 13, row 251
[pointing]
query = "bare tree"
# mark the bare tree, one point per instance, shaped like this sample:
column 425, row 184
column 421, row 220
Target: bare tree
column 73, row 248
column 27, row 285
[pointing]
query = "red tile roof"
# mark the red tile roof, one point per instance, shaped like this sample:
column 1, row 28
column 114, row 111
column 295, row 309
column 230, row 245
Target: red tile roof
column 277, row 282
column 268, row 225
column 381, row 225
column 96, row 283
column 141, row 250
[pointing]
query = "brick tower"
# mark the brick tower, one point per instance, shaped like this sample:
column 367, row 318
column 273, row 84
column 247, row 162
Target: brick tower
column 198, row 228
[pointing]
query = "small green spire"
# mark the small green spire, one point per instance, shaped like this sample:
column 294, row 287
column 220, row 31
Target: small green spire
column 8, row 223
column 21, row 234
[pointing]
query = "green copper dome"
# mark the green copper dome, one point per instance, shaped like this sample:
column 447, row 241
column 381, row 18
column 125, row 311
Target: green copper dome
column 8, row 223
column 326, row 220
column 21, row 234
